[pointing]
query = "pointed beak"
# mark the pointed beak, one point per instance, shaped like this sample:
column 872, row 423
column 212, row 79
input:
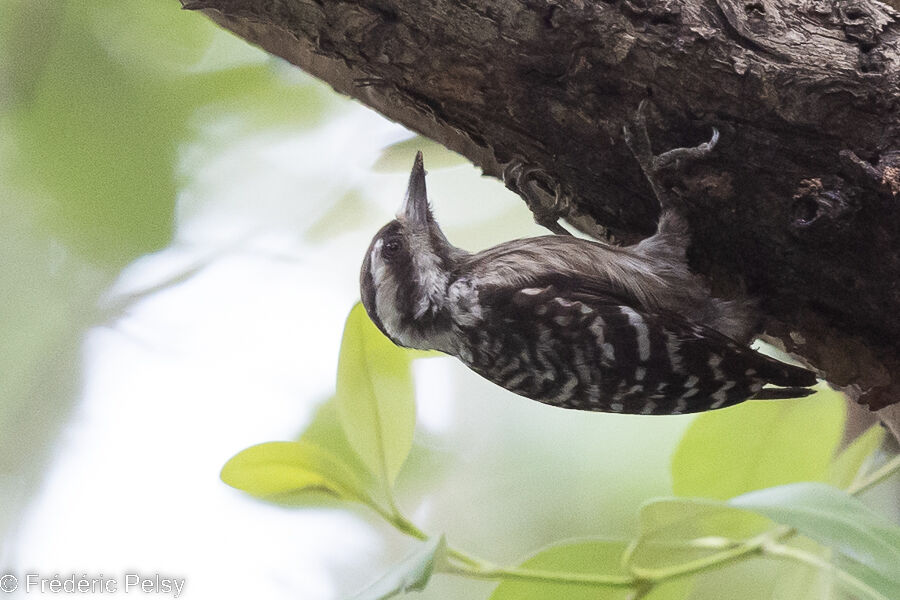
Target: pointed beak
column 415, row 205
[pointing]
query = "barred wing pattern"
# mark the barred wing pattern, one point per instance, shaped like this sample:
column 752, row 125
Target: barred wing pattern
column 583, row 350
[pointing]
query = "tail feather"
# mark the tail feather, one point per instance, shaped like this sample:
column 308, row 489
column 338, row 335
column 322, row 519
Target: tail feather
column 785, row 375
column 782, row 393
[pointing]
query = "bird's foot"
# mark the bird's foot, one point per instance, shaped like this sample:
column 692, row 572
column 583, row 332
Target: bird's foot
column 547, row 210
column 638, row 140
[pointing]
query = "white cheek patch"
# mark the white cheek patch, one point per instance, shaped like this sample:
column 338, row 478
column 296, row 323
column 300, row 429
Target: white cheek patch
column 427, row 292
column 376, row 266
column 385, row 292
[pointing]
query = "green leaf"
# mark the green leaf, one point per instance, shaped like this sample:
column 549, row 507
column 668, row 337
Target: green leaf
column 103, row 180
column 276, row 469
column 375, row 396
column 756, row 577
column 757, row 445
column 676, row 532
column 398, row 157
column 833, row 518
column 887, row 587
column 796, row 581
column 846, row 466
column 105, row 97
column 583, row 557
column 326, row 432
column 130, row 34
column 596, row 557
column 412, row 573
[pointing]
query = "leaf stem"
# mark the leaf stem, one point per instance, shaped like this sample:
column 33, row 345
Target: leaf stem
column 480, row 569
column 400, row 523
column 410, row 528
column 751, row 546
column 518, row 574
column 407, row 527
column 641, row 591
column 808, row 558
column 644, row 579
column 886, row 470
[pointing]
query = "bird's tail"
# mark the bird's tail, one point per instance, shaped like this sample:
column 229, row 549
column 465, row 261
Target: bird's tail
column 793, row 381
column 782, row 393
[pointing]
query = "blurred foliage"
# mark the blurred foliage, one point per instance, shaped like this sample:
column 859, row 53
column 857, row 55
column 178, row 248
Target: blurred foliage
column 97, row 103
column 100, row 104
column 99, row 98
column 751, row 476
column 412, row 574
column 594, row 557
column 757, row 445
column 375, row 397
column 845, row 468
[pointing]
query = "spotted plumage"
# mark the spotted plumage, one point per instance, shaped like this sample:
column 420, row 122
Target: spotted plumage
column 578, row 349
column 570, row 322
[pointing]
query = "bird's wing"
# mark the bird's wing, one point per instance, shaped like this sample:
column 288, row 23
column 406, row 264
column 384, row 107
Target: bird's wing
column 578, row 347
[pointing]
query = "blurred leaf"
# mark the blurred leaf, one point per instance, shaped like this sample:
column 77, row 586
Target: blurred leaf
column 130, row 33
column 598, row 557
column 375, row 397
column 326, row 432
column 796, row 581
column 277, row 468
column 97, row 141
column 588, row 557
column 267, row 95
column 49, row 300
column 754, row 578
column 98, row 101
column 833, row 518
column 677, row 531
column 412, row 573
column 846, row 465
column 887, row 587
column 398, row 157
column 756, row 445
column 20, row 20
column 112, row 93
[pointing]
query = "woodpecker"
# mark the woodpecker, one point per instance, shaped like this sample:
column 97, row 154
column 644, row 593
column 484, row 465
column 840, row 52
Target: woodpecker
column 570, row 322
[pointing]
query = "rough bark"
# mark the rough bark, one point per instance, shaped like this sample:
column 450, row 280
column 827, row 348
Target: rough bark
column 798, row 206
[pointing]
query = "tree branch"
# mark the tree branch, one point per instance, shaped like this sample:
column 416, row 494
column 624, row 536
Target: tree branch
column 799, row 204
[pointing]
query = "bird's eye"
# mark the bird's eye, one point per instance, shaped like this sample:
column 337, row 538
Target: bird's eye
column 391, row 248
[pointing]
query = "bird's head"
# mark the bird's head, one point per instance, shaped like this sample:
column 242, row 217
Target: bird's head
column 406, row 271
